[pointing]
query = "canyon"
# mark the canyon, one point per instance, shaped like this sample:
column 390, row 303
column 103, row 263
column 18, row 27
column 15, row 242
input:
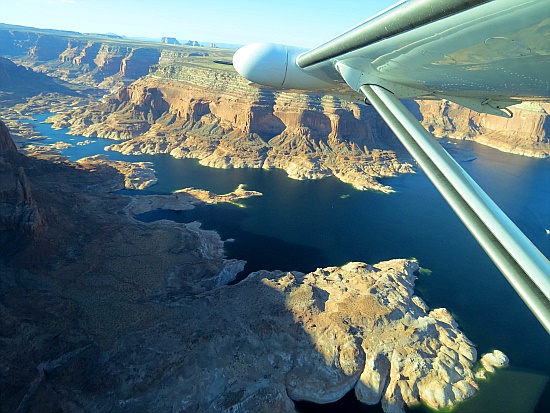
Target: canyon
column 186, row 101
column 102, row 312
column 125, row 294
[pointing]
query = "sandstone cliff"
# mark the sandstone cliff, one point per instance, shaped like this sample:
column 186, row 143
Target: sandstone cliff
column 526, row 133
column 35, row 45
column 126, row 315
column 213, row 115
column 83, row 59
column 111, row 64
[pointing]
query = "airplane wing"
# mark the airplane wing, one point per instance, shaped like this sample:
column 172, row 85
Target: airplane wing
column 482, row 54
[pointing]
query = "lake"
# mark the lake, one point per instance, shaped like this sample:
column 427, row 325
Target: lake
column 302, row 225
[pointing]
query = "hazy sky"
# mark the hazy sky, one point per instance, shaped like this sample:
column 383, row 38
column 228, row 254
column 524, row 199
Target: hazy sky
column 295, row 22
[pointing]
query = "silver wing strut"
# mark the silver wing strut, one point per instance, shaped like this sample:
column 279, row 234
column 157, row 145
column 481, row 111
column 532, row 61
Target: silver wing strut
column 523, row 265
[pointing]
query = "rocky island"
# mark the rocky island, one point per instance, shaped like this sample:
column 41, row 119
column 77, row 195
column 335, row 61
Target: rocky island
column 210, row 198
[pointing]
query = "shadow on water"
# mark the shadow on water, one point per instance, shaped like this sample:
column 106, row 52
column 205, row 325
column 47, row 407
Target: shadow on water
column 348, row 403
column 260, row 252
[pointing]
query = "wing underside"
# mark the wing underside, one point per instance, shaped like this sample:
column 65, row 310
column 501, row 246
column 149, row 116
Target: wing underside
column 471, row 52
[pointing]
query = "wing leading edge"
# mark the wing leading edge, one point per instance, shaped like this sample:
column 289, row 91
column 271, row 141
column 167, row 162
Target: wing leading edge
column 482, row 54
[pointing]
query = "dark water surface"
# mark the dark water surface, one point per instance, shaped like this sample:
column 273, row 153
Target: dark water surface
column 302, row 225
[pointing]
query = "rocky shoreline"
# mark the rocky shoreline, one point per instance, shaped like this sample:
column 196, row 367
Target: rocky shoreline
column 158, row 322
column 227, row 124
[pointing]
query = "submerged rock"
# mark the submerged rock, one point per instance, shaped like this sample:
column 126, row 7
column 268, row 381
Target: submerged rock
column 490, row 361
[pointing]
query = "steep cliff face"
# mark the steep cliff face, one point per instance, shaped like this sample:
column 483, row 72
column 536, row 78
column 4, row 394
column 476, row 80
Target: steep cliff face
column 138, row 61
column 47, row 47
column 18, row 209
column 213, row 115
column 113, row 64
column 27, row 43
column 86, row 56
column 83, row 60
column 526, row 133
column 109, row 58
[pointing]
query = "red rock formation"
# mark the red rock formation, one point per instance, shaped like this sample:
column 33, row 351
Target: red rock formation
column 214, row 116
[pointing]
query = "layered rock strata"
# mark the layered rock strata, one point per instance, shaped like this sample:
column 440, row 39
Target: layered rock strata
column 526, row 133
column 110, row 64
column 213, row 115
column 92, row 60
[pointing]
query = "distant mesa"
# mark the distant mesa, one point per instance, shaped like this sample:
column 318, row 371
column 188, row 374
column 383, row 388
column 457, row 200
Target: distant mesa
column 192, row 43
column 170, row 40
column 114, row 35
column 107, row 35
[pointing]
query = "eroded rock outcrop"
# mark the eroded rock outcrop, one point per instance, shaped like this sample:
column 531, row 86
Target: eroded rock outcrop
column 137, row 175
column 18, row 208
column 210, row 198
column 491, row 361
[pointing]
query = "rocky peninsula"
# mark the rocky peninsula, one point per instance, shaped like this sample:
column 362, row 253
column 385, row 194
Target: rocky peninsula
column 211, row 198
column 137, row 175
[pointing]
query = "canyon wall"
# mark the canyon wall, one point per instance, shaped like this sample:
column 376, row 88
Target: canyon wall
column 79, row 58
column 212, row 114
column 526, row 133
column 184, row 103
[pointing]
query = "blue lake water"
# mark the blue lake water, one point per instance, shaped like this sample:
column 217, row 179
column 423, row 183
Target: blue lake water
column 302, row 225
